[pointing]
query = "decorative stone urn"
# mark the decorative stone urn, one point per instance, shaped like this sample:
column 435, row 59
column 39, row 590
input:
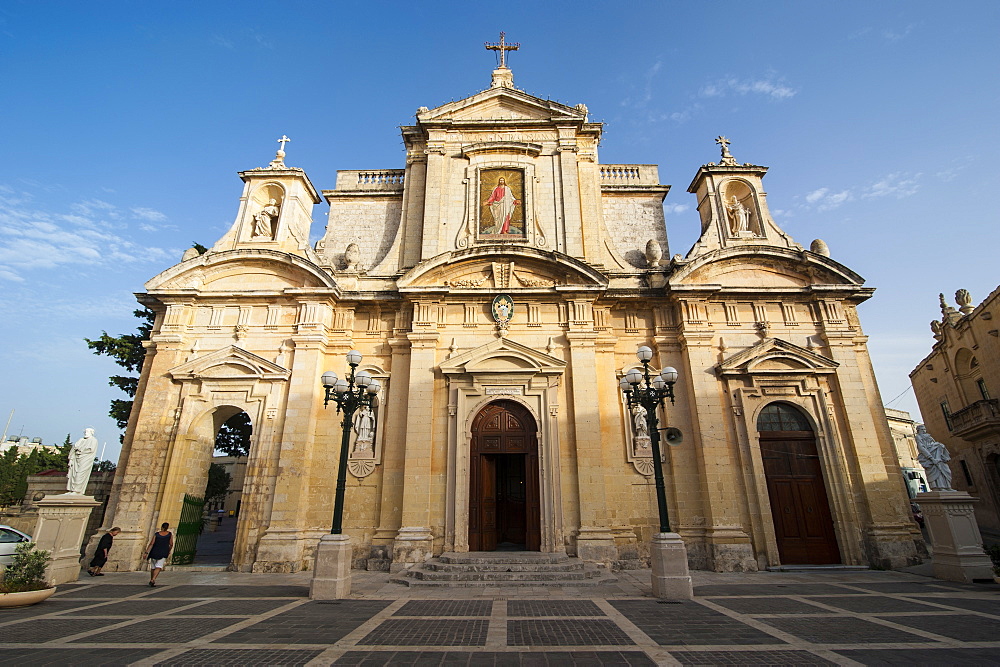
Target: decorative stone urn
column 9, row 600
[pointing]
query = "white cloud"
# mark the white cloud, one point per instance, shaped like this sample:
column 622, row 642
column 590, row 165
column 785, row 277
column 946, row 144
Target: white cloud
column 898, row 185
column 148, row 214
column 770, row 87
column 675, row 208
column 825, row 200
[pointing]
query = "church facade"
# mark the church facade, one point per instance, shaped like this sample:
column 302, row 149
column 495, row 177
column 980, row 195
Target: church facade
column 498, row 287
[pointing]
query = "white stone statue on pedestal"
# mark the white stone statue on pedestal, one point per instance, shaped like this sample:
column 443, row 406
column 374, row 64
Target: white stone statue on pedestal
column 934, row 458
column 81, row 462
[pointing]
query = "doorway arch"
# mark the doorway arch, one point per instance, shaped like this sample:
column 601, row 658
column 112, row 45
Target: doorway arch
column 803, row 523
column 504, row 505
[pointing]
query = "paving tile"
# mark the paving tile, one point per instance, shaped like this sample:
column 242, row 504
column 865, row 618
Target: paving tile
column 166, row 629
column 40, row 630
column 929, row 657
column 530, row 659
column 841, row 630
column 874, row 604
column 54, row 605
column 62, row 657
column 566, row 632
column 131, row 608
column 749, row 658
column 773, row 605
column 310, row 623
column 243, row 656
column 165, row 590
column 770, row 589
column 689, row 623
column 896, row 586
column 102, row 592
column 231, row 607
column 427, row 632
column 972, row 604
column 966, row 627
column 446, row 608
column 553, row 608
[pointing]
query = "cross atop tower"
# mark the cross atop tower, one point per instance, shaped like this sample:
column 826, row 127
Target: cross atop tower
column 503, row 47
column 727, row 157
column 283, row 140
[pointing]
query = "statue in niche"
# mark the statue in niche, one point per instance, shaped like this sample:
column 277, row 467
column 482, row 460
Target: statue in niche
column 934, row 458
column 739, row 217
column 263, row 221
column 642, row 439
column 81, row 462
column 364, row 427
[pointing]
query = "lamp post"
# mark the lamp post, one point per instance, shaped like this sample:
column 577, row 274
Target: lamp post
column 332, row 569
column 350, row 393
column 668, row 554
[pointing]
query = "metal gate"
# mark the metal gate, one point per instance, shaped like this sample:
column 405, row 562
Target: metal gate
column 188, row 530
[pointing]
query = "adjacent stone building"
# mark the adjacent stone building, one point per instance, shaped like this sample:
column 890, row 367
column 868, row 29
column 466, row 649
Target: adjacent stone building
column 498, row 287
column 956, row 387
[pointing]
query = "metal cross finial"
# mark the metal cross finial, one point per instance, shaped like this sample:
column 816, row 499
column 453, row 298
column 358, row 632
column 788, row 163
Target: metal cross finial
column 722, row 141
column 283, row 140
column 503, row 47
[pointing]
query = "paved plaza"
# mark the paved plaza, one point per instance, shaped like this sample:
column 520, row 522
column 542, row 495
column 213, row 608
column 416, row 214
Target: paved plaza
column 220, row 618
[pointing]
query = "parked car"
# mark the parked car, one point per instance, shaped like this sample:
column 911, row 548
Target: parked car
column 9, row 539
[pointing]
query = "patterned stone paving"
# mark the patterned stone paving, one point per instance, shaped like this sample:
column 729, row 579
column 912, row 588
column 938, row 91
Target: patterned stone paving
column 862, row 618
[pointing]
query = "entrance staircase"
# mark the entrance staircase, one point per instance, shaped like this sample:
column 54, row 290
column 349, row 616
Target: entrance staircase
column 504, row 568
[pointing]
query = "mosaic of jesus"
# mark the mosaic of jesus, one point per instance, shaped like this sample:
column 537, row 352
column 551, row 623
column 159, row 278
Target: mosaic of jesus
column 501, row 211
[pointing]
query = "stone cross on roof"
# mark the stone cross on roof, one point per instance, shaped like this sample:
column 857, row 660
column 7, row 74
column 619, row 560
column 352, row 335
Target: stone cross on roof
column 283, row 140
column 503, row 47
column 727, row 157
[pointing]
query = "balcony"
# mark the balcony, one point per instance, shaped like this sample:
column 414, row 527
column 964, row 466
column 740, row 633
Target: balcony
column 977, row 421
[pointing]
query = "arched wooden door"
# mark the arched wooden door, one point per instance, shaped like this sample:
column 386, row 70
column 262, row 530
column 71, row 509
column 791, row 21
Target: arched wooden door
column 504, row 507
column 803, row 523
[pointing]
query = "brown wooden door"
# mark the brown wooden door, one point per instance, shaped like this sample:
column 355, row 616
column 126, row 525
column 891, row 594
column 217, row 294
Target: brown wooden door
column 504, row 506
column 803, row 523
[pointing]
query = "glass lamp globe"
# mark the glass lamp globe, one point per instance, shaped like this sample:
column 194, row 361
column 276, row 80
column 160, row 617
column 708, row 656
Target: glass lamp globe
column 341, row 386
column 354, row 357
column 634, row 376
column 363, row 379
column 669, row 375
column 659, row 383
column 329, row 379
column 644, row 353
column 624, row 385
column 374, row 387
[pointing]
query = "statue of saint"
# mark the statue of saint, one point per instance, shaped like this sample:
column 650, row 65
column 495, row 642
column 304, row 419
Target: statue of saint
column 81, row 462
column 641, row 439
column 739, row 215
column 364, row 426
column 263, row 220
column 934, row 458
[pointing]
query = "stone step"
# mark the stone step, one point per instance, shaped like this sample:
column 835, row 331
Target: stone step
column 427, row 575
column 597, row 578
column 511, row 557
column 505, row 567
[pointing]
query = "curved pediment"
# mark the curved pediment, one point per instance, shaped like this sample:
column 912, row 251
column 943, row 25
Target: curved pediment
column 763, row 267
column 773, row 356
column 248, row 270
column 493, row 267
column 229, row 363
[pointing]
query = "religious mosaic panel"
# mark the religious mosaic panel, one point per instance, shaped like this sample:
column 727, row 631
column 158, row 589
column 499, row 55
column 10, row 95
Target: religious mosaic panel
column 501, row 196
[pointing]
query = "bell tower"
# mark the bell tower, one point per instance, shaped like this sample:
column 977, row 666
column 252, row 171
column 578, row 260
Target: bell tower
column 733, row 205
column 275, row 209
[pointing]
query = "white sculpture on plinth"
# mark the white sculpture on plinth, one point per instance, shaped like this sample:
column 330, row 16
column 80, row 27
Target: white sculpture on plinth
column 934, row 458
column 81, row 462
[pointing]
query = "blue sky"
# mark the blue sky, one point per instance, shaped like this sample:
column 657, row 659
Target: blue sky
column 125, row 124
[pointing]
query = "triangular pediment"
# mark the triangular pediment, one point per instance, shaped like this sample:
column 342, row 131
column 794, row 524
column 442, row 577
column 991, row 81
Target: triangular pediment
column 229, row 363
column 773, row 356
column 503, row 355
column 502, row 103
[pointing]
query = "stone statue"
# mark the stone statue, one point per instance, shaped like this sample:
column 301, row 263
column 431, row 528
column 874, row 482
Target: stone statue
column 739, row 216
column 934, row 458
column 642, row 440
column 81, row 462
column 364, row 426
column 936, row 329
column 264, row 219
column 964, row 301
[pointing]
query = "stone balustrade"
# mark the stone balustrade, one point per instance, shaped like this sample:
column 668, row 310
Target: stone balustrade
column 629, row 174
column 977, row 420
column 371, row 180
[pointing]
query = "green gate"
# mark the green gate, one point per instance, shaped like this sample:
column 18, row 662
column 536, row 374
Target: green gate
column 188, row 530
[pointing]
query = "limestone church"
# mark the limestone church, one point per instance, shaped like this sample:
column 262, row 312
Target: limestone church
column 498, row 287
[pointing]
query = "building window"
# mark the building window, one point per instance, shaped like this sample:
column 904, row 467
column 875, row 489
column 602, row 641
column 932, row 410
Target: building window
column 947, row 414
column 982, row 389
column 965, row 471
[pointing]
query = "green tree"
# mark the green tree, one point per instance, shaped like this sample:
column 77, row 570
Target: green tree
column 233, row 437
column 15, row 468
column 128, row 352
column 218, row 483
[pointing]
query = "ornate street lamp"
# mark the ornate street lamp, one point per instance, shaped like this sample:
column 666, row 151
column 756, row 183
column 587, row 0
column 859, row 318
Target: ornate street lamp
column 649, row 392
column 355, row 391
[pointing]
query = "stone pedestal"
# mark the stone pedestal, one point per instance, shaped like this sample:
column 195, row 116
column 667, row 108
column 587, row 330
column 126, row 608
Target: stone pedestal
column 62, row 524
column 958, row 546
column 668, row 558
column 332, row 569
column 412, row 545
column 596, row 545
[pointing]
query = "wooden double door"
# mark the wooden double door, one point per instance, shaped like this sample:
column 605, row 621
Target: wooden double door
column 504, row 507
column 803, row 524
